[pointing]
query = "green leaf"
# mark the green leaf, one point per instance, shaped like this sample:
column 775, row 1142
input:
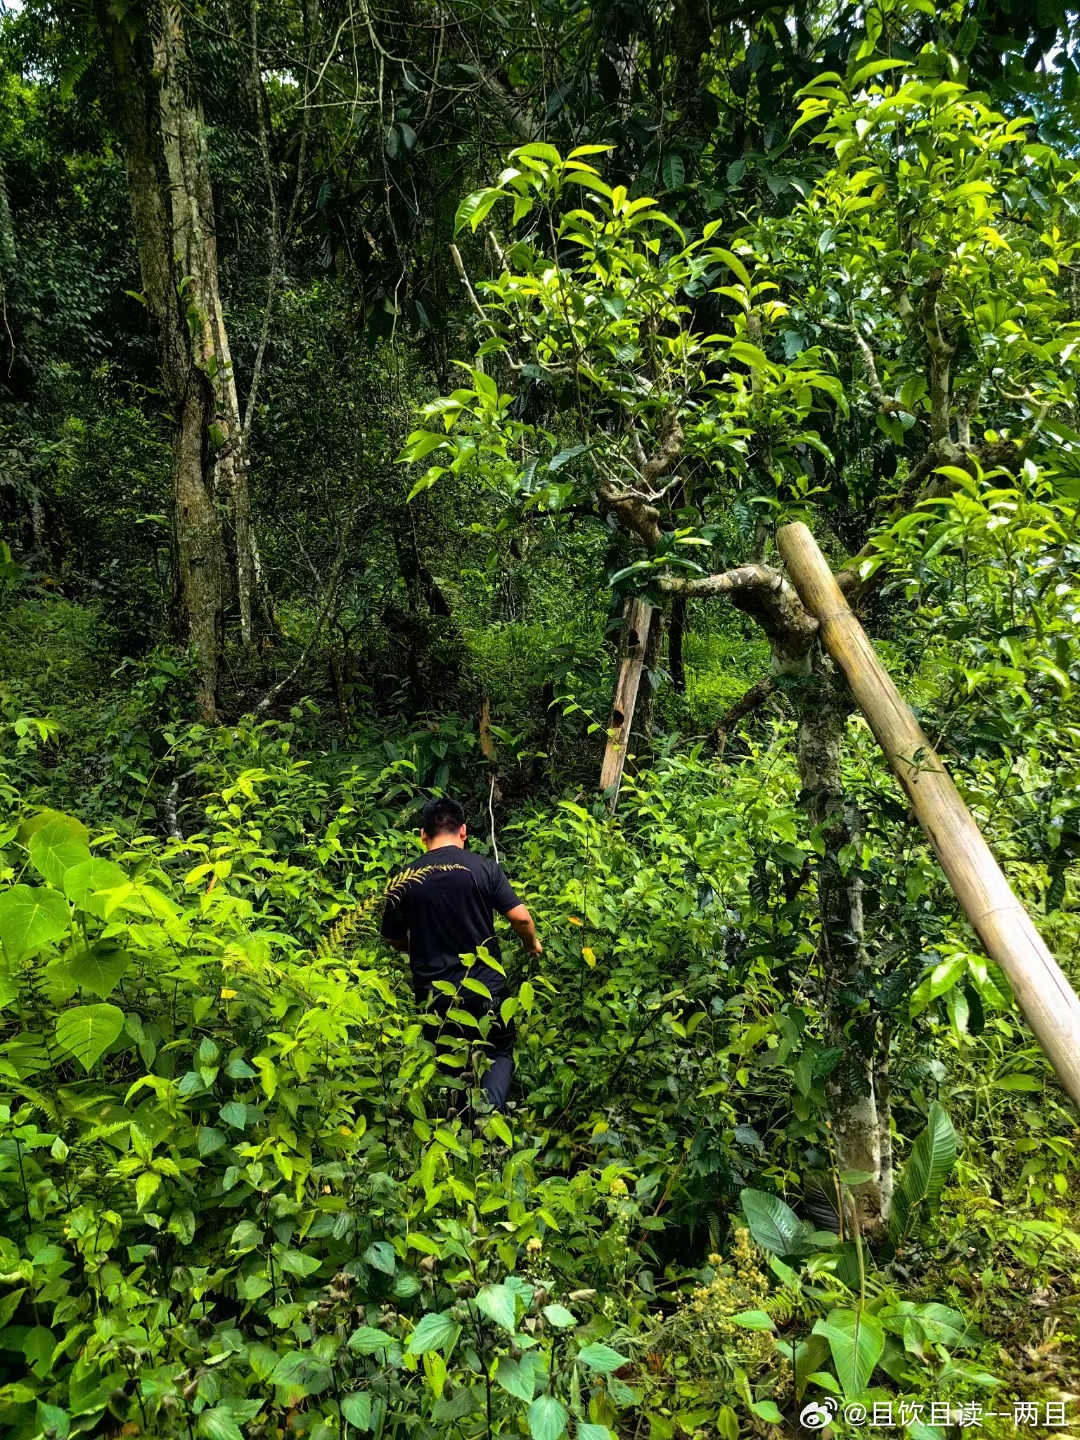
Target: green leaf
column 774, row 1225
column 674, row 170
column 426, row 481
column 30, row 918
column 300, row 1370
column 732, row 262
column 420, row 444
column 368, row 1341
column 498, row 1303
column 923, row 1178
column 88, row 1031
column 499, row 1128
column 29, row 828
column 223, row 1421
column 517, row 1377
column 296, row 1263
column 57, row 847
column 461, row 1403
column 537, row 150
column 146, row 1187
column 856, row 1341
column 1018, row 1081
column 100, row 968
column 747, row 354
column 380, row 1256
column 876, row 67
column 767, row 1410
column 474, row 208
column 262, row 1360
column 356, row 1409
column 210, row 1140
column 601, row 1358
column 218, row 1424
column 92, row 876
column 592, row 1432
column 753, row 1320
column 38, row 1345
column 547, row 1418
column 53, row 1420
column 559, row 1316
column 558, row 461
column 10, row 1303
column 434, row 1332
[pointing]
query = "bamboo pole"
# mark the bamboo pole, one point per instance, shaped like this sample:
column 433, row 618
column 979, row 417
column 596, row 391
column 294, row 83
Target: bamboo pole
column 1044, row 994
column 636, row 630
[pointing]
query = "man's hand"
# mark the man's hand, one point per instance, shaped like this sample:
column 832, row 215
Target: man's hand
column 525, row 930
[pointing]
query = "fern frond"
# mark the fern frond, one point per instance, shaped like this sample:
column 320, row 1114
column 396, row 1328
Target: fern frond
column 352, row 919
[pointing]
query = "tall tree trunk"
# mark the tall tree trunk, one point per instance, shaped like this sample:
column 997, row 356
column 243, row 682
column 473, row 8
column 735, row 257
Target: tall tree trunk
column 856, row 1125
column 197, row 536
column 195, row 245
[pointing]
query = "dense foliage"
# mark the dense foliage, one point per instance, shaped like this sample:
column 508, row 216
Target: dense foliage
column 366, row 372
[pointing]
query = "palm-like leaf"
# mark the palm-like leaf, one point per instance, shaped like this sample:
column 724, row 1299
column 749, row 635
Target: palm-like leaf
column 932, row 1158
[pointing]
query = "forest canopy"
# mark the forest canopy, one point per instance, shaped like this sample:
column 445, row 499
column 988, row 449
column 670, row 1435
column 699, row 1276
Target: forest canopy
column 402, row 402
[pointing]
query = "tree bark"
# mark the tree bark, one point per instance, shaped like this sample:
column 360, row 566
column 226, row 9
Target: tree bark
column 850, row 1088
column 195, row 245
column 197, row 539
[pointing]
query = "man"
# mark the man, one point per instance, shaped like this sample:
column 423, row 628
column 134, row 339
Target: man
column 442, row 907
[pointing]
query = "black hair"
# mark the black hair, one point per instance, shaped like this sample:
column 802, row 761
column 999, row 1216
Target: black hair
column 441, row 817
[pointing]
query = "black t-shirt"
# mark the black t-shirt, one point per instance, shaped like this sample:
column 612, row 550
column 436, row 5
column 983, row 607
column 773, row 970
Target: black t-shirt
column 444, row 901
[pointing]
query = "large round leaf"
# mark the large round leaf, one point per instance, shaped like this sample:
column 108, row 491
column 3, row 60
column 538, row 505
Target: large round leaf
column 87, row 878
column 37, row 822
column 434, row 1332
column 88, row 1031
column 30, row 918
column 9, row 988
column 57, row 847
column 547, row 1418
column 99, row 969
column 857, row 1342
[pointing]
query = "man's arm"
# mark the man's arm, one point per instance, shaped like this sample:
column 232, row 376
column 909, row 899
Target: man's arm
column 399, row 942
column 524, row 928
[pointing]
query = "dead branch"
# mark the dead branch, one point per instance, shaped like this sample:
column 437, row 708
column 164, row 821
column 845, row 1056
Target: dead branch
column 754, row 698
column 478, row 309
column 887, row 404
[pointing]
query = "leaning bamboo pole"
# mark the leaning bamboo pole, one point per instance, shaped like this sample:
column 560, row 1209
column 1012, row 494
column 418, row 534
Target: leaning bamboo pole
column 1048, row 1001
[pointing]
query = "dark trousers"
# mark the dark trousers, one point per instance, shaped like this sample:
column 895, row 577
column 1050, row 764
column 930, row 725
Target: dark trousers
column 498, row 1046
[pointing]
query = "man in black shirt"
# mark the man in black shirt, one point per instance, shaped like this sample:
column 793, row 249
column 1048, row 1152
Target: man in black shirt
column 440, row 908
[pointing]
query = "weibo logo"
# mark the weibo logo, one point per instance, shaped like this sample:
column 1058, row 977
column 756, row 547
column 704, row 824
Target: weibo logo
column 817, row 1414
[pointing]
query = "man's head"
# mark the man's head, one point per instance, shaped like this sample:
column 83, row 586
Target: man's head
column 442, row 822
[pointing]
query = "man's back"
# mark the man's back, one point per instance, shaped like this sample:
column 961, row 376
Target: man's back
column 445, row 902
